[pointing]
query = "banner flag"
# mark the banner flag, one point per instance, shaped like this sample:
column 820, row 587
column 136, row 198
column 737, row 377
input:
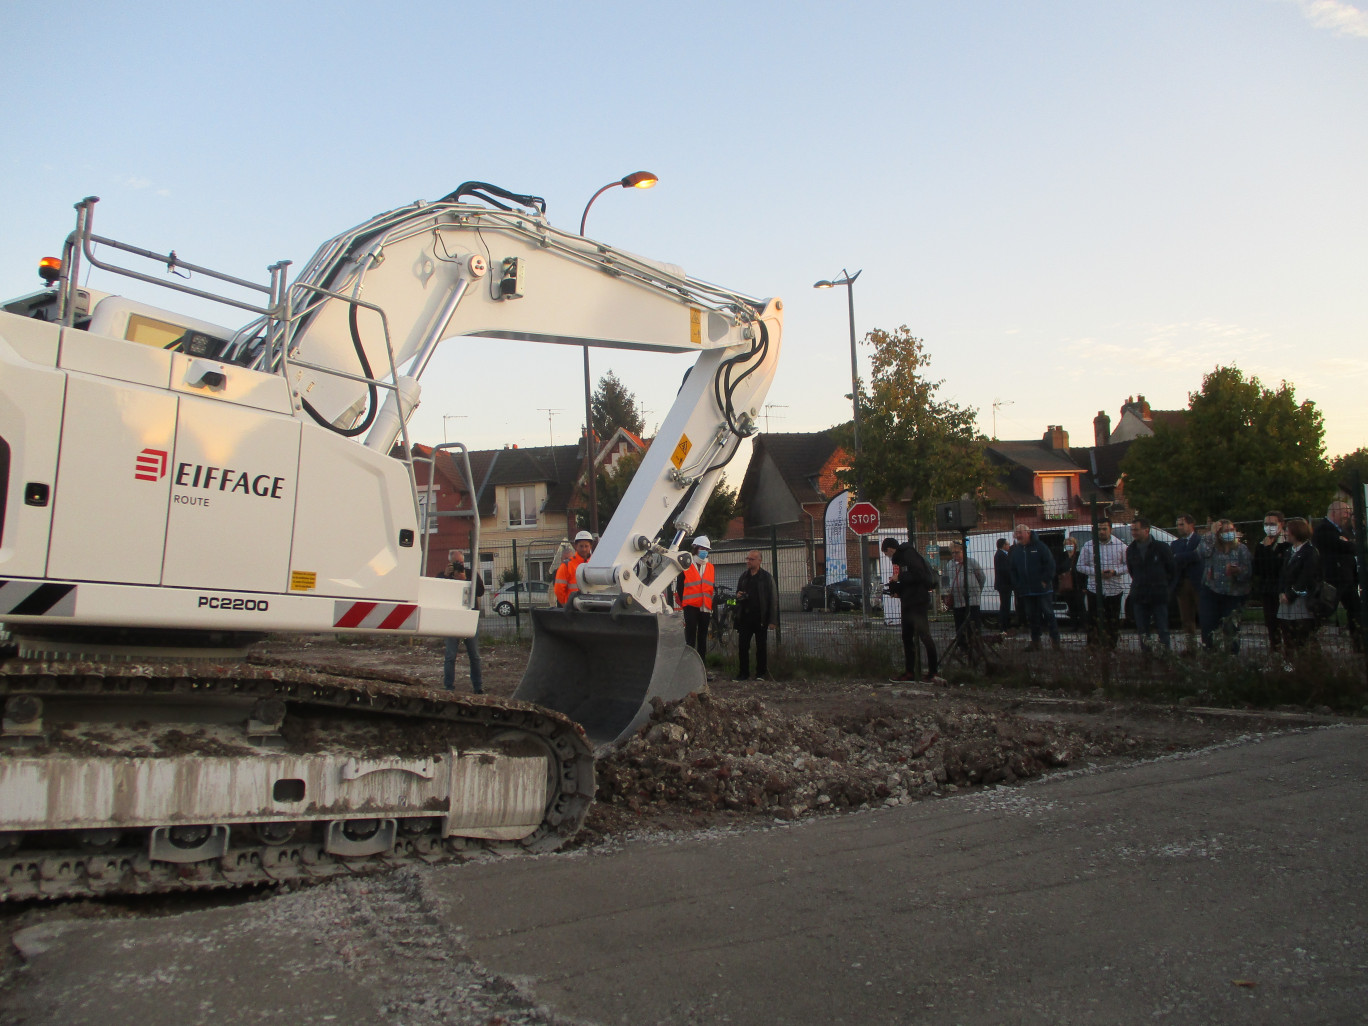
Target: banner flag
column 836, row 525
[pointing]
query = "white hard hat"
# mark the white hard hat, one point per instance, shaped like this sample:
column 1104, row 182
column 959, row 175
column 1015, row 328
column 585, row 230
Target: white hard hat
column 584, row 536
column 702, row 542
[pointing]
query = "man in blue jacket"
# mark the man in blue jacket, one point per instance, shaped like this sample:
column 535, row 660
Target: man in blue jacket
column 1033, row 573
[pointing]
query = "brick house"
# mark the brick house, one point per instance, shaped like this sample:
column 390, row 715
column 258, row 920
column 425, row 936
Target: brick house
column 443, row 528
column 534, row 499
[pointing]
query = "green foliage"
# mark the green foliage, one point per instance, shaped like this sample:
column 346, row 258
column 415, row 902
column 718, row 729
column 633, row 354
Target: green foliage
column 510, row 575
column 717, row 512
column 913, row 445
column 1347, row 465
column 1242, row 449
column 613, row 407
column 612, row 484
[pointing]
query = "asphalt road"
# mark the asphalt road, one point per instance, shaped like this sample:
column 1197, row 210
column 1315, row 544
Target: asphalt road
column 1222, row 887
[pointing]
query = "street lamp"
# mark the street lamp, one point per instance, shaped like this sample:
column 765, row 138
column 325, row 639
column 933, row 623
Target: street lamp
column 636, row 180
column 848, row 280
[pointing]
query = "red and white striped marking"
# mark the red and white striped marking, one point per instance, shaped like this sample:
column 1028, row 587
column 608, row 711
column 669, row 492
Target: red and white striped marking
column 376, row 616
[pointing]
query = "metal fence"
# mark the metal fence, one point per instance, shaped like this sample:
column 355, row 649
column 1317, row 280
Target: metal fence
column 822, row 628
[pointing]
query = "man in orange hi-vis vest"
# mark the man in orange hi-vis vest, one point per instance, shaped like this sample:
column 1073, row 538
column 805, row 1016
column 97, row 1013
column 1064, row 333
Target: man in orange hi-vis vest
column 565, row 573
column 695, row 590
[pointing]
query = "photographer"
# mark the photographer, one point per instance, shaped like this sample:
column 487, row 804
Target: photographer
column 911, row 585
column 456, row 571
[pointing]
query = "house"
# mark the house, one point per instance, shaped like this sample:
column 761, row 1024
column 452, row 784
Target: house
column 790, row 479
column 1046, row 482
column 1137, row 420
column 533, row 500
column 788, row 482
column 444, row 510
column 525, row 505
column 1039, row 481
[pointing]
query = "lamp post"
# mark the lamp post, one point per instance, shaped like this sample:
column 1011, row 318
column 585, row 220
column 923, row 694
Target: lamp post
column 636, row 180
column 848, row 280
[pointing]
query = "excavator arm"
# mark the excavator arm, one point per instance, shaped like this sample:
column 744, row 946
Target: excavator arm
column 430, row 273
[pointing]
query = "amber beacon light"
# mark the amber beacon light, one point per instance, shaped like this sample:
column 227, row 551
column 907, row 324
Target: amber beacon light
column 50, row 269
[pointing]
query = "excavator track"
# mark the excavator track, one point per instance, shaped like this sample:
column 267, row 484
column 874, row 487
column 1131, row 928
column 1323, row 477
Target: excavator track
column 110, row 732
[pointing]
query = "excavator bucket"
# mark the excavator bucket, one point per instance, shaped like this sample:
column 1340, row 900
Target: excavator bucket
column 603, row 669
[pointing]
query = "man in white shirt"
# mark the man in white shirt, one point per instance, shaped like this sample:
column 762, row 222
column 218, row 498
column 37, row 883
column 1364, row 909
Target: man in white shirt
column 1114, row 577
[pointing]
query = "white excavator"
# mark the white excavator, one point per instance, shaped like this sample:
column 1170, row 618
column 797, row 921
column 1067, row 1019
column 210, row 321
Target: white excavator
column 172, row 490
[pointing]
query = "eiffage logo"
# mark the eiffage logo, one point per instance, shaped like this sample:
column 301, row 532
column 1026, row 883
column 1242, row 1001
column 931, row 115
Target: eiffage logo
column 150, row 465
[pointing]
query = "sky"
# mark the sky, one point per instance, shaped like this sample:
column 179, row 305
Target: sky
column 1070, row 202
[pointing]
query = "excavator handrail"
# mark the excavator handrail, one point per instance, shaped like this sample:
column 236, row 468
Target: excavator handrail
column 81, row 242
column 473, row 512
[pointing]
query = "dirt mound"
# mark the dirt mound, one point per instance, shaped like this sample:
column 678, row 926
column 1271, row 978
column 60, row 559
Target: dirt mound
column 708, row 755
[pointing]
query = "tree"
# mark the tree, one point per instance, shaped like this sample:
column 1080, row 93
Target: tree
column 612, row 484
column 913, row 445
column 1346, row 465
column 1241, row 450
column 613, row 407
column 717, row 513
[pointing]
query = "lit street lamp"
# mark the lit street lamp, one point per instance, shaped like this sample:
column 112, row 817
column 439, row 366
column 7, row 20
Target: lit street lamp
column 636, row 180
column 848, row 280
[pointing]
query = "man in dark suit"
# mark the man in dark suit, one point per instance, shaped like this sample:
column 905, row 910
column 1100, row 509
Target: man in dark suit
column 1002, row 583
column 1187, row 556
column 1336, row 547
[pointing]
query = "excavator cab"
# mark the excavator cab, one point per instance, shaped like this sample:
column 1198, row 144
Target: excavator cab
column 602, row 669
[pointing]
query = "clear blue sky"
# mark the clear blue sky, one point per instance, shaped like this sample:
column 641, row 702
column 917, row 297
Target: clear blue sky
column 1071, row 202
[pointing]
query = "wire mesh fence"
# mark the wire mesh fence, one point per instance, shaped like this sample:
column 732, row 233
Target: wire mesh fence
column 825, row 628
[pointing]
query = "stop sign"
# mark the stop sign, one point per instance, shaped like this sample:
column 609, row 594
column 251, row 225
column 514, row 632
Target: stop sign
column 863, row 518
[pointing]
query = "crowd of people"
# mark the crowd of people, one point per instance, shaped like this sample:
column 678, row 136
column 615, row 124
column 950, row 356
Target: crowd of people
column 1300, row 574
column 1211, row 574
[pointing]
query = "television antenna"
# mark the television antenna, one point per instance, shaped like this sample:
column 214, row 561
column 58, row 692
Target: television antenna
column 773, row 406
column 549, row 414
column 997, row 405
column 450, row 416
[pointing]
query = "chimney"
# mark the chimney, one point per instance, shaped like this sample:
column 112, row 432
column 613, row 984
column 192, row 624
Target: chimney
column 1101, row 428
column 1056, row 437
column 1146, row 414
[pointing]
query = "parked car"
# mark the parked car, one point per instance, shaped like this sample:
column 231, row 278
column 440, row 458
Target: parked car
column 527, row 594
column 836, row 597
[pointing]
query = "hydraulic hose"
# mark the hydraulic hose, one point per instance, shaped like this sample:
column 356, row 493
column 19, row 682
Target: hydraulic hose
column 371, row 394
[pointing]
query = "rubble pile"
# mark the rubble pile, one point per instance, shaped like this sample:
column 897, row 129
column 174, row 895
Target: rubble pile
column 709, row 754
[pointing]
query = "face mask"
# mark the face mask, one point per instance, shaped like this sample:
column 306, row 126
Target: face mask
column 703, row 555
column 1227, row 536
column 1270, row 529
